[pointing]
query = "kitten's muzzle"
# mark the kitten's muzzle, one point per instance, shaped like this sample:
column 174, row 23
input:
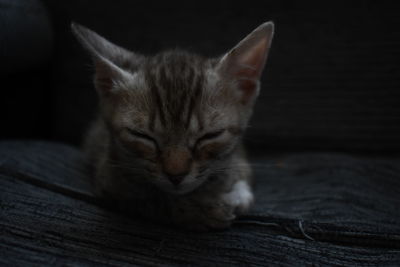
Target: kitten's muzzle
column 176, row 179
column 176, row 164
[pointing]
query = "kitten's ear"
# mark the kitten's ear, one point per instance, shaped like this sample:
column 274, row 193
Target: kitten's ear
column 108, row 58
column 245, row 62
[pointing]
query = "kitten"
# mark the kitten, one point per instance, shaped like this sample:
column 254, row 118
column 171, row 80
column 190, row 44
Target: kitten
column 167, row 142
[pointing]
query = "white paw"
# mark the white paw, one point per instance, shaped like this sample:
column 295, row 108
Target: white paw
column 240, row 197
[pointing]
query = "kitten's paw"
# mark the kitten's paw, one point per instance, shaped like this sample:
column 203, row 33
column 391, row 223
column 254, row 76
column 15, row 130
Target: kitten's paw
column 218, row 216
column 213, row 212
column 241, row 197
column 209, row 223
column 200, row 216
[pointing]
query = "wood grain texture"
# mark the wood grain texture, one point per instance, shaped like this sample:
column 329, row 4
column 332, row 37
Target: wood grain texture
column 321, row 209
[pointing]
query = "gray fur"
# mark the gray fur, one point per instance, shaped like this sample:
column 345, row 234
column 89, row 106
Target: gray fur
column 166, row 144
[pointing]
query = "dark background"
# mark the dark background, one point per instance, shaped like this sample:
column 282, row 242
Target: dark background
column 331, row 81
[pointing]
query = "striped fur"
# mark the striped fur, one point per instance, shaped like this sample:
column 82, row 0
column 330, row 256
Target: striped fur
column 176, row 81
column 167, row 139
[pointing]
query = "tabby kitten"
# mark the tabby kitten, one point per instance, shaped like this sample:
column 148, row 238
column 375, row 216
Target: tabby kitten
column 167, row 141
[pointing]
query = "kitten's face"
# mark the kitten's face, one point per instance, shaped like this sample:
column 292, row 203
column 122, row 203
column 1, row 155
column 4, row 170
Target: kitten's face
column 178, row 117
column 175, row 118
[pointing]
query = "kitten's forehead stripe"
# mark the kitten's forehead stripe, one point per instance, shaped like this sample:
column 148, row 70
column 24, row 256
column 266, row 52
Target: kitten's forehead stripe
column 190, row 76
column 176, row 81
column 158, row 102
column 196, row 100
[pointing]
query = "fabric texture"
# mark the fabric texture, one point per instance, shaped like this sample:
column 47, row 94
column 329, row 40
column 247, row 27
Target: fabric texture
column 311, row 209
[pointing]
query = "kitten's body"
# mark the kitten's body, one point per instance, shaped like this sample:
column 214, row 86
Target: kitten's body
column 166, row 144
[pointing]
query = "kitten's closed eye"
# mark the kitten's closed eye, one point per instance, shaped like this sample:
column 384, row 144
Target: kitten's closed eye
column 142, row 136
column 209, row 136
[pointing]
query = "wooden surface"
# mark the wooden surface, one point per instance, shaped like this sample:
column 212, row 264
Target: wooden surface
column 311, row 209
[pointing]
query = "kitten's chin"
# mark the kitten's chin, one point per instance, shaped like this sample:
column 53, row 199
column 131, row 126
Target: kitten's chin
column 179, row 190
column 185, row 187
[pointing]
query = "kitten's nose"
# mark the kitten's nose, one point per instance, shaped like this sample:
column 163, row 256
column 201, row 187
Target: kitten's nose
column 176, row 163
column 176, row 179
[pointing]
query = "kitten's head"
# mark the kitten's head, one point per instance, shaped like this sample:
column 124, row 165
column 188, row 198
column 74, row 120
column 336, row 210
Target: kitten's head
column 176, row 117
